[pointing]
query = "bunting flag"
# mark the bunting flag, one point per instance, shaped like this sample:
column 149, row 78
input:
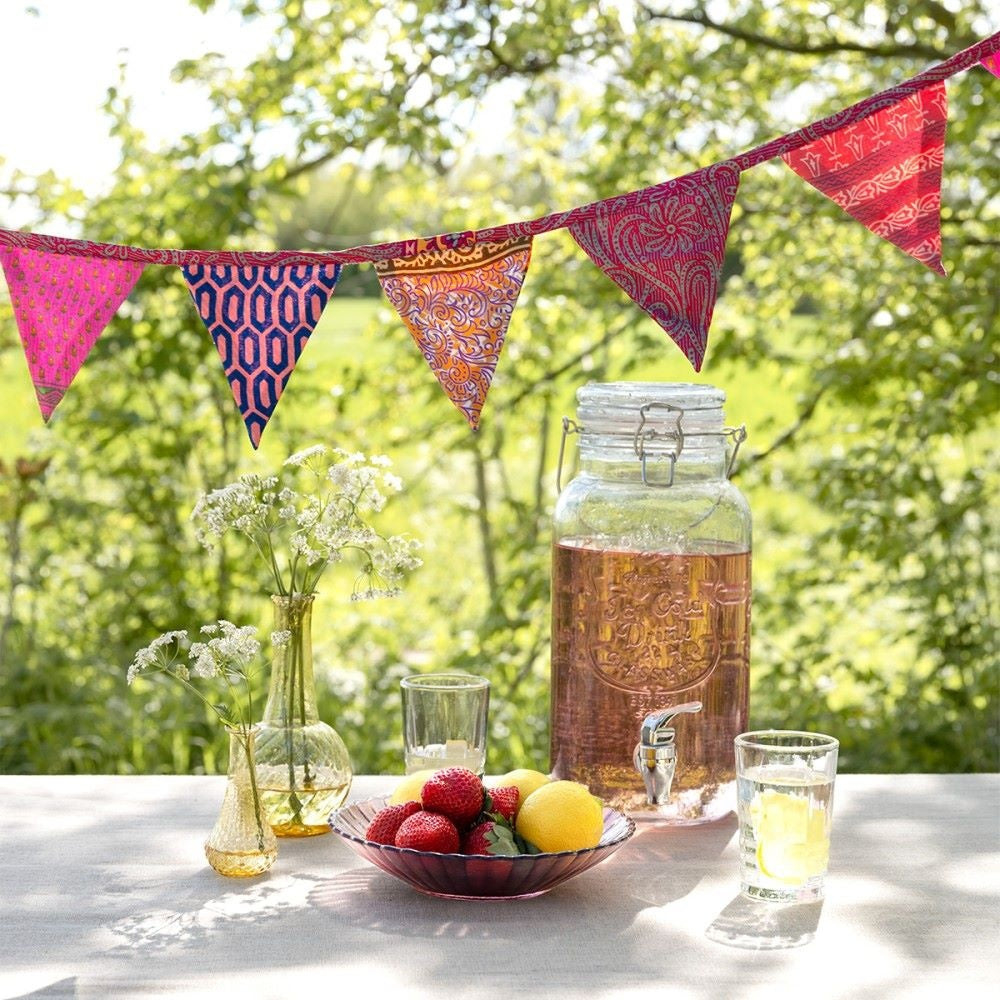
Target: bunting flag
column 260, row 319
column 885, row 171
column 879, row 159
column 62, row 304
column 457, row 301
column 665, row 248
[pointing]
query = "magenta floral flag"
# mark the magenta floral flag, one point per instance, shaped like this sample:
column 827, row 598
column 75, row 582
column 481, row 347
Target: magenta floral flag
column 665, row 246
column 456, row 301
column 992, row 63
column 62, row 303
column 885, row 171
column 260, row 318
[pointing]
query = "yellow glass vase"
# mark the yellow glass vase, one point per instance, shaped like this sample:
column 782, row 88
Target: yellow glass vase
column 303, row 767
column 242, row 843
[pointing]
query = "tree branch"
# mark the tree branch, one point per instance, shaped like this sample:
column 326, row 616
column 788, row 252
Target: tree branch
column 553, row 373
column 805, row 415
column 305, row 166
column 801, row 47
column 483, row 516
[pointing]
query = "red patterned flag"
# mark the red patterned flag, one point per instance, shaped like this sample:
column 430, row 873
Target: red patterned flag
column 885, row 170
column 457, row 301
column 260, row 319
column 62, row 303
column 665, row 246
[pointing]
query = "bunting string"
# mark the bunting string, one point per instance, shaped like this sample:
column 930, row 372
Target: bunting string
column 880, row 160
column 982, row 51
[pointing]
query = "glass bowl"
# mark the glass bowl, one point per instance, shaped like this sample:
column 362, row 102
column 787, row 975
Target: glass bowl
column 475, row 876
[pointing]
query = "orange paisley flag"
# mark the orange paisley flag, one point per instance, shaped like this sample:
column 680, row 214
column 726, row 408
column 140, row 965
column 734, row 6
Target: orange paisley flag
column 457, row 302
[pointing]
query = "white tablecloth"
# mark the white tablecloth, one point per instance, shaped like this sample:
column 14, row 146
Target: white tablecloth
column 105, row 892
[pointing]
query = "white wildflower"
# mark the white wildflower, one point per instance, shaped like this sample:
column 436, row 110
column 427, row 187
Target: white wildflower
column 313, row 514
column 202, row 661
column 155, row 656
column 229, row 650
column 374, row 592
column 338, row 475
column 301, row 457
column 299, row 542
column 281, row 638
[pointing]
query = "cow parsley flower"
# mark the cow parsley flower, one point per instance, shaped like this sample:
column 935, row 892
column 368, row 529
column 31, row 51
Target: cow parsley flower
column 158, row 655
column 313, row 513
column 228, row 652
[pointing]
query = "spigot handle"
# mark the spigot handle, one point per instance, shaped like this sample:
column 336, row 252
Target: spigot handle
column 656, row 728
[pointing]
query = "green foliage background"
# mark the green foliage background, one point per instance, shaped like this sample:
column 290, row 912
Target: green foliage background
column 869, row 385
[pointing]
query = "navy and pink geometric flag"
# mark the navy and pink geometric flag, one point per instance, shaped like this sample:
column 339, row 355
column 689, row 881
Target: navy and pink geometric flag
column 885, row 171
column 456, row 300
column 665, row 246
column 62, row 303
column 260, row 319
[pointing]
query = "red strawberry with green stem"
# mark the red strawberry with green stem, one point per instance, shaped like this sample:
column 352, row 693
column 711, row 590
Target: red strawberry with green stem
column 454, row 792
column 386, row 822
column 497, row 838
column 428, row 831
column 503, row 801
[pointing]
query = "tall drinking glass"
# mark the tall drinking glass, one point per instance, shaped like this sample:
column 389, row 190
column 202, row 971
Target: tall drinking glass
column 444, row 721
column 784, row 782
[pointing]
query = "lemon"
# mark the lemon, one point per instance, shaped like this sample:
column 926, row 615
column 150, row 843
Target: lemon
column 793, row 839
column 561, row 816
column 524, row 779
column 409, row 789
column 792, row 863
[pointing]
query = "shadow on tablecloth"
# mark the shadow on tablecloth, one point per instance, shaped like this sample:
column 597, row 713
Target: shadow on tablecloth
column 765, row 926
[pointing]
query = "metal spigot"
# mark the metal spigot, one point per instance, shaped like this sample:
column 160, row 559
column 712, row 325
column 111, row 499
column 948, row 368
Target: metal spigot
column 655, row 756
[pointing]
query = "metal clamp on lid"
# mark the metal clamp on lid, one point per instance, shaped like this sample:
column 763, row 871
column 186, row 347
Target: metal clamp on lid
column 648, row 441
column 645, row 434
column 655, row 755
column 676, row 435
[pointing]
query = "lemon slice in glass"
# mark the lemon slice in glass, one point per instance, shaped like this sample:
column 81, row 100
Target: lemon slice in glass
column 793, row 842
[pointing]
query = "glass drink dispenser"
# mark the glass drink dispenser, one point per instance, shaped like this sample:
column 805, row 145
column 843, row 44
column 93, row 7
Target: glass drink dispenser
column 651, row 602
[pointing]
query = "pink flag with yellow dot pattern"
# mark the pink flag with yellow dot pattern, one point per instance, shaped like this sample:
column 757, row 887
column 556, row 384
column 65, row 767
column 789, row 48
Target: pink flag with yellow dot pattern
column 62, row 303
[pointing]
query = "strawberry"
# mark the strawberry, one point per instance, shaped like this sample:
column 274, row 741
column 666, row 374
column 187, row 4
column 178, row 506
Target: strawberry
column 428, row 831
column 496, row 837
column 503, row 801
column 382, row 829
column 454, row 792
column 475, row 841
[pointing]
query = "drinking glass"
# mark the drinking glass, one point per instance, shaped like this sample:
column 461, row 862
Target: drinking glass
column 444, row 721
column 784, row 782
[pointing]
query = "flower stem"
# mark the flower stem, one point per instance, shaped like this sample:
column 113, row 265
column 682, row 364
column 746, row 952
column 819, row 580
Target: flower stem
column 244, row 739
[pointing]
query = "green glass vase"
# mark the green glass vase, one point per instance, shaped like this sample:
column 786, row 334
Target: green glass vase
column 303, row 767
